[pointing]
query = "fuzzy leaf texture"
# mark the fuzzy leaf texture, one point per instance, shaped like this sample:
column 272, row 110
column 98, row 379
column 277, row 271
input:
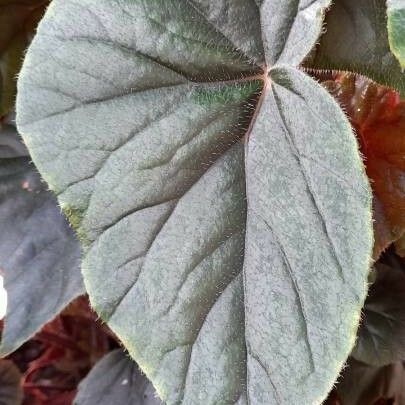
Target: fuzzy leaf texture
column 396, row 29
column 138, row 122
column 356, row 39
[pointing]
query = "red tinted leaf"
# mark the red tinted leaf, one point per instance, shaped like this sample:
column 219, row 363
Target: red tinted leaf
column 61, row 354
column 378, row 117
column 400, row 246
column 333, row 399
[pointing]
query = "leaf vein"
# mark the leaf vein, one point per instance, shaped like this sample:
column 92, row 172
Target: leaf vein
column 296, row 288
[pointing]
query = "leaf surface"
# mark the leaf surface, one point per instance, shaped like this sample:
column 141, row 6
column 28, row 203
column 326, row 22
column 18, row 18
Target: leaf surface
column 116, row 379
column 396, row 29
column 356, row 39
column 307, row 207
column 291, row 28
column 148, row 161
column 38, row 253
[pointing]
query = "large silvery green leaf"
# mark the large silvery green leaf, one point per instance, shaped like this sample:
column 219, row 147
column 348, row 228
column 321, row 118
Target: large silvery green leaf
column 158, row 112
column 304, row 196
column 291, row 28
column 396, row 29
column 356, row 39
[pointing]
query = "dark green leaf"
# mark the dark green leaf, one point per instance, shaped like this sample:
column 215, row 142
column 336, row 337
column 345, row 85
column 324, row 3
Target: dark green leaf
column 116, row 379
column 10, row 143
column 356, row 39
column 39, row 256
column 381, row 337
column 396, row 29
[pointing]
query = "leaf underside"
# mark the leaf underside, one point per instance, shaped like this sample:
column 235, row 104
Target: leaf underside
column 214, row 290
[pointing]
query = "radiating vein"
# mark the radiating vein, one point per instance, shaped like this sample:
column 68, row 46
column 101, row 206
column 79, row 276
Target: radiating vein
column 296, row 287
